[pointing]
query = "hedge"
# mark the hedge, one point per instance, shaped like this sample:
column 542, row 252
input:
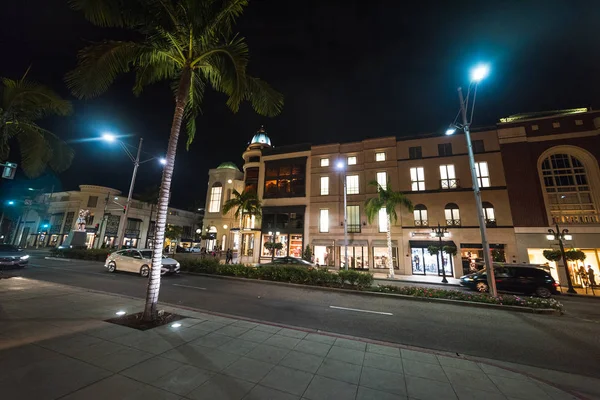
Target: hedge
column 506, row 300
column 283, row 273
column 82, row 254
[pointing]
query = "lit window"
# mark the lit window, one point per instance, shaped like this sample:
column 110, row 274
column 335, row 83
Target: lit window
column 324, row 162
column 379, row 156
column 215, row 198
column 324, row 185
column 324, row 220
column 556, row 124
column 383, row 220
column 382, row 179
column 483, row 174
column 534, row 127
column 352, row 160
column 420, row 214
column 353, row 219
column 452, row 215
column 448, row 177
column 352, row 184
column 488, row 214
column 417, row 179
column 578, row 122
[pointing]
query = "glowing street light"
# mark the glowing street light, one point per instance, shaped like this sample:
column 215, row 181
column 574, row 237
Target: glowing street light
column 450, row 131
column 163, row 161
column 480, row 72
column 109, row 137
column 10, row 202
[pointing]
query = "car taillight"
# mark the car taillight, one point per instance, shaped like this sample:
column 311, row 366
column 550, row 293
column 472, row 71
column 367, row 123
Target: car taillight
column 555, row 284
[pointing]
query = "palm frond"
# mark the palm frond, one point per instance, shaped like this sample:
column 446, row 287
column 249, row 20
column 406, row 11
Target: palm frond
column 31, row 100
column 224, row 18
column 153, row 66
column 109, row 13
column 372, row 207
column 35, row 150
column 264, row 99
column 62, row 154
column 99, row 65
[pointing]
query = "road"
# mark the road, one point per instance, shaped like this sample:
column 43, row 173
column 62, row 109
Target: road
column 569, row 343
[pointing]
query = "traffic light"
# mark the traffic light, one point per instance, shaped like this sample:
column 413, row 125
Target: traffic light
column 96, row 227
column 124, row 209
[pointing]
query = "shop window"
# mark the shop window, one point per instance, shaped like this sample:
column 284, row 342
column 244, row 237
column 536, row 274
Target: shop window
column 324, row 162
column 251, row 180
column 358, row 257
column 417, row 179
column 296, row 245
column 380, row 256
column 445, row 149
column 424, row 263
column 382, row 220
column 285, row 178
column 353, row 216
column 214, row 204
column 382, row 179
column 324, row 220
column 420, row 214
column 452, row 214
column 380, row 156
column 324, row 255
column 324, row 185
column 352, row 160
column 415, row 153
column 483, row 174
column 488, row 214
column 448, row 177
column 352, row 184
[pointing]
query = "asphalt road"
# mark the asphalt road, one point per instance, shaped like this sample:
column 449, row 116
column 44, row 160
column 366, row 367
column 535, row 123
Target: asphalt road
column 569, row 343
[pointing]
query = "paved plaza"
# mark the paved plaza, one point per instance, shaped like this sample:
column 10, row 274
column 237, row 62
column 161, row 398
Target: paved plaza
column 54, row 344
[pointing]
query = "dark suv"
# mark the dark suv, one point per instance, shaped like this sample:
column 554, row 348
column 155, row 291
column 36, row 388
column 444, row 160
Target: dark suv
column 526, row 280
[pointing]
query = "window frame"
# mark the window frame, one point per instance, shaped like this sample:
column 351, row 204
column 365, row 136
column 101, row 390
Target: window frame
column 382, row 220
column 324, row 220
column 445, row 149
column 353, row 224
column 324, row 190
column 448, row 180
column 385, row 178
column 421, row 210
column 484, row 181
column 380, row 156
column 214, row 201
column 454, row 219
column 420, row 183
column 418, row 152
column 351, row 160
column 479, row 148
column 348, row 186
column 324, row 162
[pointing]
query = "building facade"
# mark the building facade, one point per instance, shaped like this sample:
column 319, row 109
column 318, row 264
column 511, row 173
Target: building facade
column 104, row 209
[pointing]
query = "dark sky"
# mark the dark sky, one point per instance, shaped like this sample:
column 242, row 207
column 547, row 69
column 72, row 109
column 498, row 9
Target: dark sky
column 349, row 70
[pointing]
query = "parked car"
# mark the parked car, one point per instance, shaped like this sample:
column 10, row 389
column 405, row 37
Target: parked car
column 139, row 261
column 289, row 261
column 12, row 256
column 195, row 249
column 527, row 280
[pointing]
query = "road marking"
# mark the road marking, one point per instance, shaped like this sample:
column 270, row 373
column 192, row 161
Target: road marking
column 191, row 287
column 358, row 310
column 70, row 270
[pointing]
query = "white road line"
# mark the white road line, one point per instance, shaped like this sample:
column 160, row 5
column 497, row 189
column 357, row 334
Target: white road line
column 358, row 310
column 70, row 270
column 191, row 287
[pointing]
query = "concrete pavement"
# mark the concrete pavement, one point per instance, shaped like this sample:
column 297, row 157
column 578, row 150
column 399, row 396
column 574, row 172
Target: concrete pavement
column 54, row 344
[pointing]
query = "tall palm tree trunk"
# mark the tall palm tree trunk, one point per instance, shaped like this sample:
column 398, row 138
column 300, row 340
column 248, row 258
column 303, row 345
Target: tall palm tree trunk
column 240, row 244
column 150, row 312
column 388, row 234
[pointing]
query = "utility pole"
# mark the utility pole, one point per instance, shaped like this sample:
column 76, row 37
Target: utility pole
column 123, row 225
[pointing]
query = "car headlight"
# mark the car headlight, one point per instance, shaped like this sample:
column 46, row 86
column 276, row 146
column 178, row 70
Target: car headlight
column 25, row 257
column 177, row 265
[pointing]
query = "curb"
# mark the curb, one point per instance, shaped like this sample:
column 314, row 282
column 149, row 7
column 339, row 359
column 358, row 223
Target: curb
column 418, row 282
column 62, row 259
column 545, row 311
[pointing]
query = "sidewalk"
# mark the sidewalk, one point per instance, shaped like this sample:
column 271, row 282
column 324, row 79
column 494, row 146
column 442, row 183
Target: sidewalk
column 422, row 279
column 55, row 344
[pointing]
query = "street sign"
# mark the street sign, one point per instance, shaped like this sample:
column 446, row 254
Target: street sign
column 9, row 170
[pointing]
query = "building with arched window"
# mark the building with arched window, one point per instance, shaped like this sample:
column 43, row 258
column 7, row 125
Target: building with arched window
column 552, row 173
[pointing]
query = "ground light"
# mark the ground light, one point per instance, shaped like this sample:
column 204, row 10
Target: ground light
column 175, row 325
column 119, row 313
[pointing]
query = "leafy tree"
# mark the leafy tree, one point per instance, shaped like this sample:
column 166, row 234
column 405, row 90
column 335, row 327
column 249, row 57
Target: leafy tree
column 22, row 103
column 307, row 255
column 246, row 203
column 272, row 246
column 387, row 199
column 191, row 45
column 173, row 233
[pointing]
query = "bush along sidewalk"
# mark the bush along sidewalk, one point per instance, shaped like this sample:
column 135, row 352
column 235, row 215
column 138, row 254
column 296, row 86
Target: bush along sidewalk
column 283, row 273
column 82, row 254
column 502, row 300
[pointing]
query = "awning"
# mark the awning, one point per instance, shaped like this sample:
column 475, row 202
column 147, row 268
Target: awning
column 426, row 243
column 340, row 242
column 480, row 246
column 134, row 219
column 383, row 243
column 323, row 242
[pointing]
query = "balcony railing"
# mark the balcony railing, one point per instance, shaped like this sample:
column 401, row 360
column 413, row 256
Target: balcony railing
column 132, row 233
column 453, row 222
column 449, row 184
column 421, row 222
column 353, row 228
column 580, row 219
column 490, row 223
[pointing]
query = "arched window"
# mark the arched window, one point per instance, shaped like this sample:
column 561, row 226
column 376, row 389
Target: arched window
column 420, row 213
column 452, row 215
column 216, row 191
column 568, row 191
column 488, row 214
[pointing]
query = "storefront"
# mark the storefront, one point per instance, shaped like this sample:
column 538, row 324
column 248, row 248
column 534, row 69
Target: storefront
column 424, row 263
column 358, row 254
column 592, row 259
column 292, row 244
column 324, row 252
column 380, row 254
column 471, row 255
column 283, row 225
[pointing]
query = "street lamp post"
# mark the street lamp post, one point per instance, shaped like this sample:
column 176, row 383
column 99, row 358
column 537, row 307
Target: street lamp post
column 560, row 236
column 477, row 75
column 341, row 167
column 440, row 232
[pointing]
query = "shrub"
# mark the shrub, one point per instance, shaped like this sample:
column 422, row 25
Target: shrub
column 81, row 254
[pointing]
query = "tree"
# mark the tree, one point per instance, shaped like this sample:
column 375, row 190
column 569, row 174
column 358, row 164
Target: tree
column 173, row 233
column 387, row 199
column 22, row 104
column 188, row 43
column 307, row 255
column 272, row 246
column 246, row 203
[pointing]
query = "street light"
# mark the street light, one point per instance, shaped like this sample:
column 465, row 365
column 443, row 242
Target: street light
column 560, row 236
column 340, row 166
column 440, row 232
column 163, row 161
column 109, row 137
column 477, row 74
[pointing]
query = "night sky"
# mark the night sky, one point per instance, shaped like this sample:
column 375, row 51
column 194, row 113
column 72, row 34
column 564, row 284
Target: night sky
column 349, row 70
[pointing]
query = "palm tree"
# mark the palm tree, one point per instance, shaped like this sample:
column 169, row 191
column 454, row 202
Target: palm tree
column 22, row 104
column 188, row 43
column 387, row 199
column 246, row 203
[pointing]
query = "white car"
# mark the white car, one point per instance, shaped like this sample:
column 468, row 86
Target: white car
column 138, row 261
